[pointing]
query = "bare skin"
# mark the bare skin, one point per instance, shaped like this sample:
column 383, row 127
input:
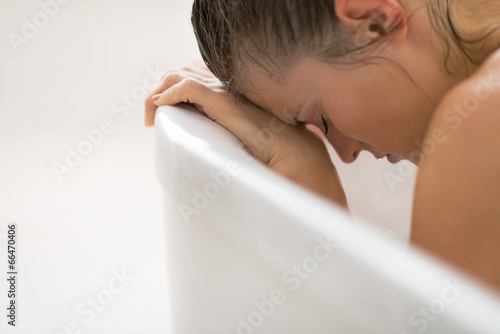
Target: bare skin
column 456, row 212
column 375, row 107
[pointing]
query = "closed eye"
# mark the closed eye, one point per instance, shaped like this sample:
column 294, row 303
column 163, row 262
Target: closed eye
column 325, row 124
column 297, row 122
column 302, row 123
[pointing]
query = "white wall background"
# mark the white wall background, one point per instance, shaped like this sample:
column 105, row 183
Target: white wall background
column 76, row 230
column 106, row 214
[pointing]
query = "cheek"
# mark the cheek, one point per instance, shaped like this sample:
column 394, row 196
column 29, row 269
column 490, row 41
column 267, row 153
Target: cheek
column 385, row 116
column 361, row 118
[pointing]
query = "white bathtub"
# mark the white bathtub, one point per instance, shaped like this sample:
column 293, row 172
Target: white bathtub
column 250, row 252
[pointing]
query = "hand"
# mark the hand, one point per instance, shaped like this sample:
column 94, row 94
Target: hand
column 294, row 152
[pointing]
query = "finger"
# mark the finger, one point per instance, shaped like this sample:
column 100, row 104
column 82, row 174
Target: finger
column 169, row 79
column 188, row 90
column 200, row 72
column 220, row 107
column 149, row 111
column 256, row 128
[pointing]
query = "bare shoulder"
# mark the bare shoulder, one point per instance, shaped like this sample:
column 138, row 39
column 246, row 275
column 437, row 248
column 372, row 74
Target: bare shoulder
column 473, row 106
column 457, row 198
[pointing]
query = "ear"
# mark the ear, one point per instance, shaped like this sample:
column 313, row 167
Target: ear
column 375, row 18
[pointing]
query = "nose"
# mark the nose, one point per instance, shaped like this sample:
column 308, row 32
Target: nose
column 347, row 148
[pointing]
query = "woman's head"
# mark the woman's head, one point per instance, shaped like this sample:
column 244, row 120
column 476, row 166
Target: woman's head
column 362, row 65
column 274, row 34
column 269, row 34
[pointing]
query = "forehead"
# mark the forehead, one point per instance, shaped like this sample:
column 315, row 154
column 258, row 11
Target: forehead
column 283, row 96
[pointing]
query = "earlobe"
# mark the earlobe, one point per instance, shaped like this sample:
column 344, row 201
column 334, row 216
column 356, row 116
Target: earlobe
column 374, row 17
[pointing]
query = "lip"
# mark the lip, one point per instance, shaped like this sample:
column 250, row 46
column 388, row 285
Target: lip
column 392, row 159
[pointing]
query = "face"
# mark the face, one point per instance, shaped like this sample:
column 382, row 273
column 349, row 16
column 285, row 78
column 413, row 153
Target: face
column 382, row 105
column 374, row 107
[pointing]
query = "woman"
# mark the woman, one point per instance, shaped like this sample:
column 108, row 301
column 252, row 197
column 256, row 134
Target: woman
column 402, row 79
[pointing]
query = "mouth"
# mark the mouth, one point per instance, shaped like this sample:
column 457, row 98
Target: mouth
column 392, row 159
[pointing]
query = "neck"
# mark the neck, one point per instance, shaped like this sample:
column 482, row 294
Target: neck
column 470, row 30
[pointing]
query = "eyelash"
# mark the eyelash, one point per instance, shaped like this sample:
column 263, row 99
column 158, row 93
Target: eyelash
column 302, row 123
column 325, row 124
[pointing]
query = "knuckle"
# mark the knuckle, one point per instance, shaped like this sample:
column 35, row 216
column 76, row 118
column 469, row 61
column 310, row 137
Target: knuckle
column 186, row 89
column 187, row 68
column 188, row 82
column 165, row 74
column 172, row 76
column 148, row 101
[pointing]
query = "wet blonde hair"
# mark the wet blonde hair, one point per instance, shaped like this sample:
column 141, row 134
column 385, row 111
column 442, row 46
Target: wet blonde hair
column 272, row 34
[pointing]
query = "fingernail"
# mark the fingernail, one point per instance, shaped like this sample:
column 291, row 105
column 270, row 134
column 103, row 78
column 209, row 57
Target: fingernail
column 156, row 97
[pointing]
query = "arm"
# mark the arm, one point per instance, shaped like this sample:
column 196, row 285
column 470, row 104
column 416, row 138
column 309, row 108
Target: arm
column 294, row 152
column 457, row 198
